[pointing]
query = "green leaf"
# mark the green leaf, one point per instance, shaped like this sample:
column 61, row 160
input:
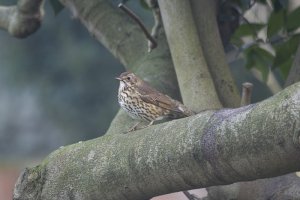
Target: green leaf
column 275, row 23
column 293, row 20
column 56, row 6
column 248, row 29
column 259, row 58
column 286, row 66
column 284, row 53
column 236, row 41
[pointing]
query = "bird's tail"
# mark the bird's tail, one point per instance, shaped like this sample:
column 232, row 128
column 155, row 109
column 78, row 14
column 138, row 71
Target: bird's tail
column 185, row 110
column 181, row 110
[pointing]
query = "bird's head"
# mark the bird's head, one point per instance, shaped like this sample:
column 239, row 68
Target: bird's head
column 128, row 78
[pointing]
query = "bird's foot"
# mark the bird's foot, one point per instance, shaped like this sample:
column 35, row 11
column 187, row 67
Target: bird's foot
column 135, row 127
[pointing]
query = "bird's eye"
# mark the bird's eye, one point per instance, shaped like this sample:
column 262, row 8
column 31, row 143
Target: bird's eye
column 128, row 78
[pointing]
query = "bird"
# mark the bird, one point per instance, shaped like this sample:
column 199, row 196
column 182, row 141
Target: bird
column 143, row 102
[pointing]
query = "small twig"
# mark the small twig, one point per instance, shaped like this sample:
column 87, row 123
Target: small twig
column 157, row 21
column 190, row 196
column 246, row 93
column 140, row 23
column 155, row 28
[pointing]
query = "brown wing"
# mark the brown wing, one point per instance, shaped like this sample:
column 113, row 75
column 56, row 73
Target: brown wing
column 151, row 95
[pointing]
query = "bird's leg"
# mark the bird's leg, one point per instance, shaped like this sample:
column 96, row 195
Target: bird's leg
column 147, row 125
column 133, row 128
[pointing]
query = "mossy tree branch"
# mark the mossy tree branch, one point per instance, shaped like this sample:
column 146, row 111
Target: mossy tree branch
column 266, row 188
column 212, row 148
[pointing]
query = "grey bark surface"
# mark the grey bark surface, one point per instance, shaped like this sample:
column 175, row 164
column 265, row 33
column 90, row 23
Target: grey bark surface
column 212, row 148
column 195, row 82
column 282, row 187
column 205, row 17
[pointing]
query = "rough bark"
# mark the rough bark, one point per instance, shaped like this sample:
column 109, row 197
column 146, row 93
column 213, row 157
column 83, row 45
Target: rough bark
column 195, row 82
column 282, row 187
column 212, row 148
column 22, row 19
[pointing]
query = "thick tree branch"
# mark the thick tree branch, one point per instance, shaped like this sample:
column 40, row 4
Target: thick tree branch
column 112, row 27
column 205, row 16
column 211, row 148
column 264, row 189
column 22, row 19
column 195, row 82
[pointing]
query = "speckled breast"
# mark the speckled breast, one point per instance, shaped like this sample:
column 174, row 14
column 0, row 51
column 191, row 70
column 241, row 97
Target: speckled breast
column 135, row 107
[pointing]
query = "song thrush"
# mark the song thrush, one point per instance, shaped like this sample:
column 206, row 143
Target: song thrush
column 141, row 101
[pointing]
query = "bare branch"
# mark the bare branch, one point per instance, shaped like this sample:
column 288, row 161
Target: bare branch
column 153, row 4
column 140, row 23
column 22, row 19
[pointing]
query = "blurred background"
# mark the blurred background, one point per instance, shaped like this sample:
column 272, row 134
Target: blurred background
column 57, row 87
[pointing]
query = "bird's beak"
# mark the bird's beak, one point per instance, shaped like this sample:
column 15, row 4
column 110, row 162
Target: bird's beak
column 118, row 78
